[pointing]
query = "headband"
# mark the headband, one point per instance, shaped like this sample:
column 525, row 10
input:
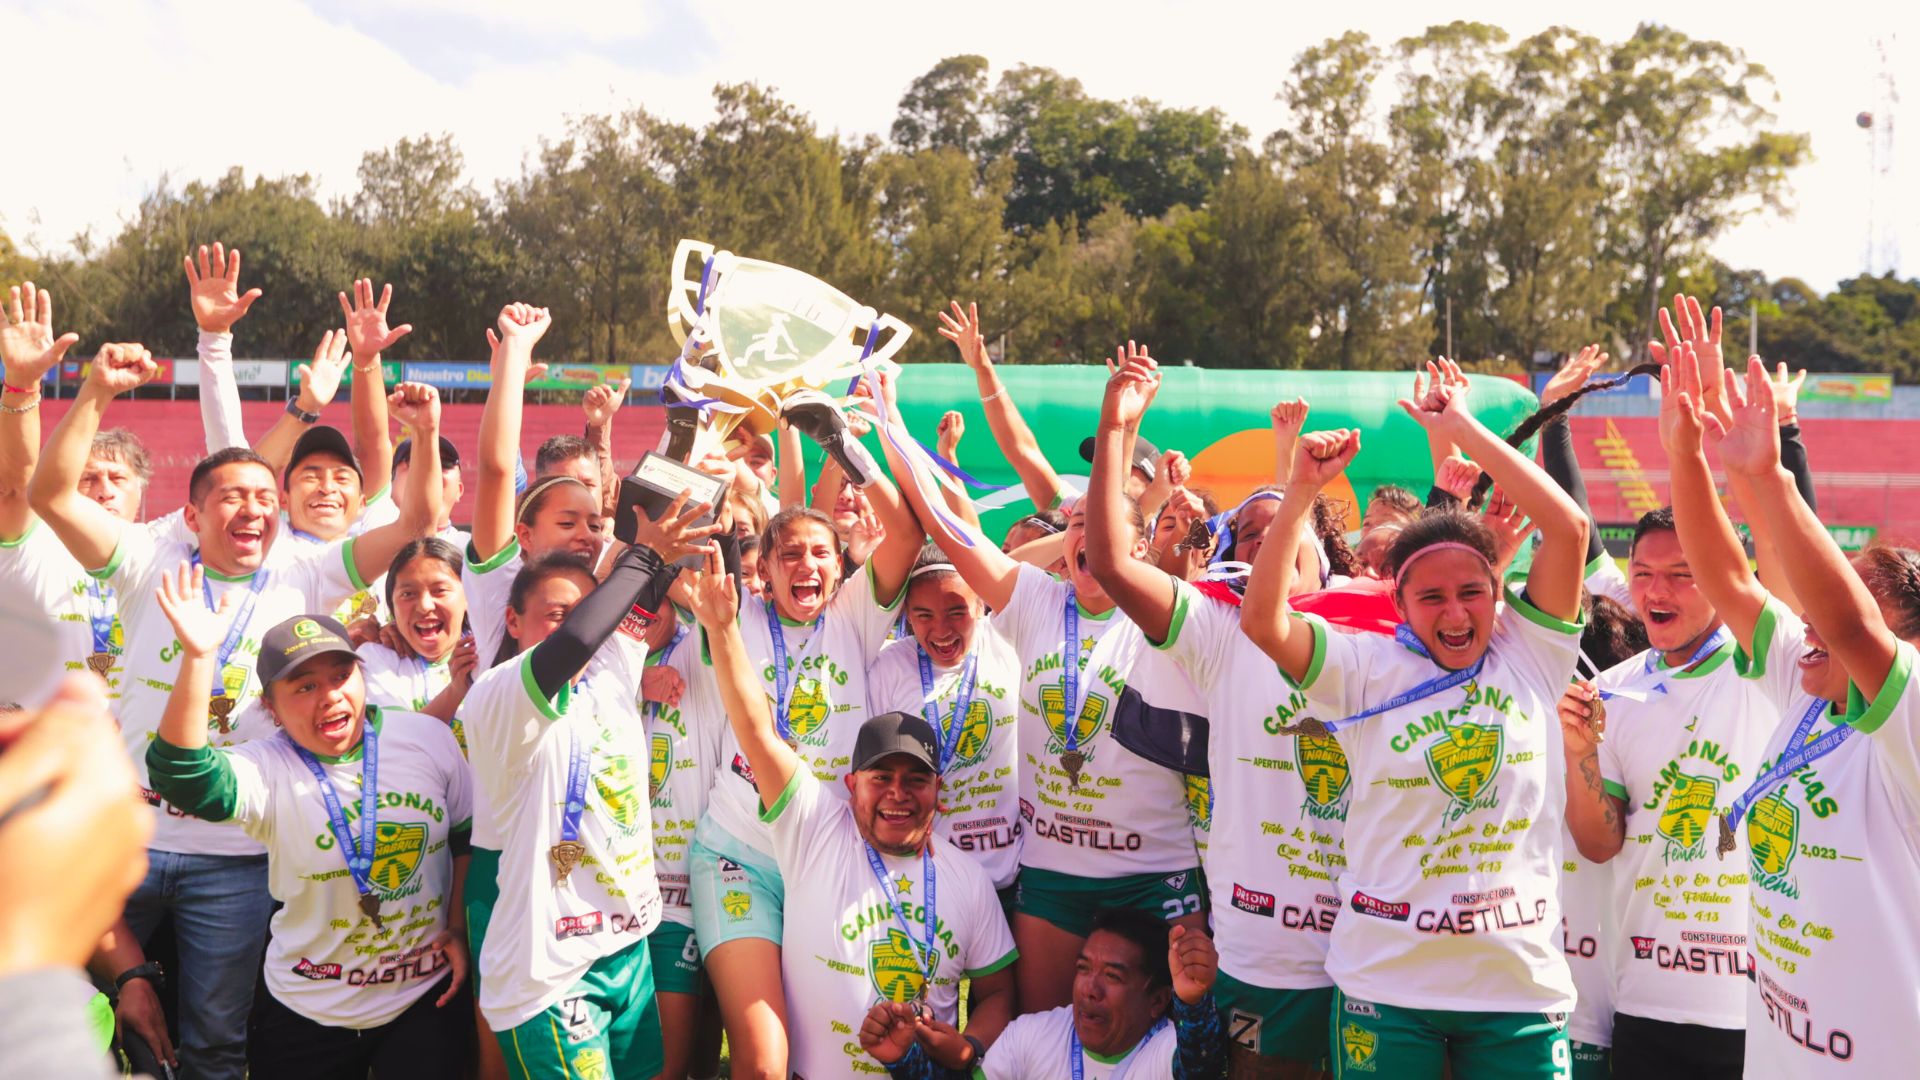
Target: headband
column 933, row 568
column 1444, row 545
column 1035, row 521
column 532, row 493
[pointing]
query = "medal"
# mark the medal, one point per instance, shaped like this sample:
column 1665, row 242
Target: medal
column 365, row 606
column 1726, row 836
column 358, row 852
column 370, row 907
column 1310, row 726
column 100, row 618
column 1072, row 761
column 565, row 855
column 100, row 663
column 220, row 707
column 1799, row 754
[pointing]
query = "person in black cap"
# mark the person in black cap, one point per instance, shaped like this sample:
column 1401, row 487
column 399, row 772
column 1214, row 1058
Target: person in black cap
column 322, row 488
column 452, row 486
column 365, row 814
column 1145, row 460
column 876, row 908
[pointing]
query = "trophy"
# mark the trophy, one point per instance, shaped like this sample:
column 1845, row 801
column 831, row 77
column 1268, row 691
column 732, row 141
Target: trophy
column 759, row 342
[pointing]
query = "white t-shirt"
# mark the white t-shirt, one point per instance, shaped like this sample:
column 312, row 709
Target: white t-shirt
column 1605, row 579
column 1589, row 937
column 980, row 790
column 1271, row 871
column 402, row 682
column 303, row 582
column 488, row 586
column 843, row 948
column 1128, row 815
column 1678, row 756
column 1037, row 1046
column 1834, row 854
column 1453, row 835
column 683, row 747
column 365, row 601
column 829, row 662
column 544, row 935
column 325, row 960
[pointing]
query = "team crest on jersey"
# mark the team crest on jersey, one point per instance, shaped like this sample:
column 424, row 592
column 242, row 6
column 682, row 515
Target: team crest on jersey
column 1688, row 815
column 807, row 712
column 1323, row 769
column 1359, row 1045
column 1464, row 761
column 1200, row 802
column 975, row 734
column 397, row 850
column 591, row 1064
column 738, row 904
column 659, row 766
column 1773, row 834
column 897, row 966
column 459, row 734
column 1053, row 709
column 617, row 793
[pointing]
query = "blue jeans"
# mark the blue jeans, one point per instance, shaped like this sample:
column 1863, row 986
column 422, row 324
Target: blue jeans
column 220, row 909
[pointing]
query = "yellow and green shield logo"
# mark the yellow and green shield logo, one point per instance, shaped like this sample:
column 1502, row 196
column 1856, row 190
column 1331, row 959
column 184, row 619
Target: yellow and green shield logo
column 306, row 628
column 737, row 903
column 1053, row 709
column 459, row 734
column 976, row 732
column 1465, row 759
column 1689, row 811
column 1773, row 832
column 897, row 966
column 1359, row 1045
column 659, row 763
column 1323, row 769
column 397, row 848
column 807, row 711
column 616, row 787
column 591, row 1064
column 1200, row 802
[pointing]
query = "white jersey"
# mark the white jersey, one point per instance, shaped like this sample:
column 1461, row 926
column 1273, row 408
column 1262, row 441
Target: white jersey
column 1589, row 937
column 828, row 663
column 980, row 790
column 402, row 682
column 544, row 934
column 1453, row 836
column 683, row 749
column 1834, row 854
column 1272, row 870
column 289, row 584
column 365, row 601
column 843, row 945
column 489, row 585
column 1038, row 1046
column 1680, row 747
column 1605, row 579
column 1127, row 815
column 325, row 960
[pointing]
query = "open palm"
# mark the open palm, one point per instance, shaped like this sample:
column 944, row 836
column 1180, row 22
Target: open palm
column 27, row 345
column 181, row 596
column 1750, row 445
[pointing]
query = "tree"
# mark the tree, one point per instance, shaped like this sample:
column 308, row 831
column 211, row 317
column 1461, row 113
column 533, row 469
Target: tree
column 944, row 108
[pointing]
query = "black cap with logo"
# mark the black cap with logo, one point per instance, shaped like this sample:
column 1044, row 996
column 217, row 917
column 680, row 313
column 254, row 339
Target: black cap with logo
column 320, row 439
column 1146, row 457
column 894, row 733
column 298, row 640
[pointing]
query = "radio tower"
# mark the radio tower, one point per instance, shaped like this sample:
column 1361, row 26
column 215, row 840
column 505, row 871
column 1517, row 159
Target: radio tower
column 1882, row 254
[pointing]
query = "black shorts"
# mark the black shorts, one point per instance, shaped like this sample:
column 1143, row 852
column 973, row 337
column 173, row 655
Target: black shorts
column 424, row 1043
column 1661, row 1048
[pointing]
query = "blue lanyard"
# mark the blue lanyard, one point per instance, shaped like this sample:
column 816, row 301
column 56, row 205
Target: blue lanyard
column 956, row 721
column 1799, row 754
column 1078, row 1058
column 1652, row 675
column 782, row 679
column 237, row 631
column 1070, row 675
column 1446, row 681
column 932, row 957
column 100, row 613
column 359, row 856
column 579, row 755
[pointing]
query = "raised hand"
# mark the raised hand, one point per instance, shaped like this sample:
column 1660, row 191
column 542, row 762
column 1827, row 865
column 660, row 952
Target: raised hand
column 1786, row 393
column 1175, row 467
column 1702, row 332
column 963, row 329
column 1510, row 526
column 214, row 290
column 1134, row 378
column 181, row 598
column 1681, row 402
column 120, row 368
column 600, row 402
column 673, row 535
column 1439, row 398
column 1194, row 962
column 1583, row 719
column 1323, row 455
column 1289, row 417
column 952, row 427
column 320, row 380
column 1573, row 374
column 1457, row 477
column 27, row 345
column 1751, row 444
column 367, row 331
column 710, row 593
column 867, row 533
column 523, row 325
column 888, row 1031
column 417, row 407
column 464, row 664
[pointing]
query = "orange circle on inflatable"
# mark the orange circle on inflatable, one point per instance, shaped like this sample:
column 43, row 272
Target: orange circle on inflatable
column 1233, row 467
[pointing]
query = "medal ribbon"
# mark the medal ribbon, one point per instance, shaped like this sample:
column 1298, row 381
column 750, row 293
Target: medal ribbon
column 666, row 654
column 1800, row 753
column 237, row 631
column 1652, row 679
column 931, row 961
column 100, row 611
column 359, row 856
column 1445, row 681
column 1071, row 703
column 782, row 679
column 956, row 721
column 1078, row 1058
column 579, row 755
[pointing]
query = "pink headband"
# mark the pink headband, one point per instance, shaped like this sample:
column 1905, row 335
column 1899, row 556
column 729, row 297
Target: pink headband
column 1444, row 545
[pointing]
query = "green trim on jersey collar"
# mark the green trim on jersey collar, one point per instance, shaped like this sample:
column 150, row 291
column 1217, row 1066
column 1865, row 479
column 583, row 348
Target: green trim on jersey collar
column 1085, row 614
column 215, row 575
column 1867, row 718
column 372, row 717
column 1753, row 665
column 500, row 558
column 1705, row 667
column 32, row 524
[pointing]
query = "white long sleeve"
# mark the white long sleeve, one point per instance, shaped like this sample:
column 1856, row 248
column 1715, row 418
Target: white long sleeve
column 219, row 393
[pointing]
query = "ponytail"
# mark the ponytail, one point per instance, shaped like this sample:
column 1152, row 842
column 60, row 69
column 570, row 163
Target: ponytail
column 1548, row 413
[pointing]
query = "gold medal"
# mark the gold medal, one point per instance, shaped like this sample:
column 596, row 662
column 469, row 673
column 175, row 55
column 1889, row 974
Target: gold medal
column 100, row 663
column 365, row 606
column 1726, row 836
column 1311, row 727
column 565, row 855
column 370, row 907
column 1073, row 761
column 220, row 707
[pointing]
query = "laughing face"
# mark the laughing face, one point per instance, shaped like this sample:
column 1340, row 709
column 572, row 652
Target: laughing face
column 1675, row 611
column 893, row 803
column 429, row 606
column 568, row 519
column 236, row 520
column 1114, row 1003
column 801, row 569
column 323, row 496
column 1074, row 555
column 1447, row 597
column 320, row 704
column 941, row 611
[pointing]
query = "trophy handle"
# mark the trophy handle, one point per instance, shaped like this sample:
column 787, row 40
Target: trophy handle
column 683, row 292
column 893, row 334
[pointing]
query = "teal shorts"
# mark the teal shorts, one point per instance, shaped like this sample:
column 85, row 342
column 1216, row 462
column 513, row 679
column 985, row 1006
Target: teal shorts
column 482, row 888
column 736, row 892
column 1287, row 1024
column 1069, row 901
column 1592, row 1062
column 1375, row 1040
column 605, row 1026
column 676, row 959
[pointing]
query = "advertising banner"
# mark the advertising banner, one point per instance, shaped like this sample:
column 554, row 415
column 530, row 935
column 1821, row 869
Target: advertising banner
column 1849, row 387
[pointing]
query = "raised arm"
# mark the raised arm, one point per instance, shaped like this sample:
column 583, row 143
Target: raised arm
column 714, row 596
column 521, row 325
column 417, row 405
column 1712, row 548
column 1142, row 590
column 213, row 292
column 1265, row 616
column 792, row 478
column 1289, row 419
column 179, row 764
column 1556, row 439
column 600, row 403
column 1003, row 417
column 986, row 569
column 319, row 382
column 90, row 531
column 952, row 427
column 368, row 335
column 893, row 560
column 28, row 351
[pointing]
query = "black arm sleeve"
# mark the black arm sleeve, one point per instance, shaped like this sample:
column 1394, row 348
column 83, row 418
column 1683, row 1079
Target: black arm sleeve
column 1557, row 458
column 730, row 553
column 1445, row 500
column 1793, row 454
column 638, row 579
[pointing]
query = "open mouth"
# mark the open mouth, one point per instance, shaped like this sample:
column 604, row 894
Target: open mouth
column 806, row 593
column 947, row 648
column 326, row 507
column 587, row 548
column 246, row 537
column 431, row 626
column 1661, row 616
column 899, row 816
column 1080, row 560
column 1454, row 640
column 335, row 726
column 1813, row 658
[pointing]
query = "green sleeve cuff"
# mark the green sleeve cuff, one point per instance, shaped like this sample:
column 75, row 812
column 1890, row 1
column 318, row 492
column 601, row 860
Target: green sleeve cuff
column 998, row 965
column 119, row 555
column 552, row 709
column 1615, row 789
column 383, row 493
column 353, row 572
column 32, row 524
column 1318, row 628
column 772, row 813
column 1753, row 665
column 498, row 560
column 873, row 586
column 199, row 780
column 1594, row 565
column 1517, row 601
column 1182, row 601
column 1867, row 718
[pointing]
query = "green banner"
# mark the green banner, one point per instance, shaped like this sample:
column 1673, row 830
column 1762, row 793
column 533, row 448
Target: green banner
column 580, row 376
column 1850, row 388
column 389, row 374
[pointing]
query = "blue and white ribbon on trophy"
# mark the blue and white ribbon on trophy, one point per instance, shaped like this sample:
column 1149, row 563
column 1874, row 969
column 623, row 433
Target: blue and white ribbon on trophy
column 685, row 380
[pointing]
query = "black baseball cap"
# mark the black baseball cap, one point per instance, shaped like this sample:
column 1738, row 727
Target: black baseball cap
column 449, row 453
column 321, row 439
column 298, row 640
column 888, row 734
column 1146, row 456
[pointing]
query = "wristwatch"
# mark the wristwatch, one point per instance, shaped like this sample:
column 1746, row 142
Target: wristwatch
column 150, row 971
column 979, row 1050
column 293, row 410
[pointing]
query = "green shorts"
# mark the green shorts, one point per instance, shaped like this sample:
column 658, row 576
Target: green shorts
column 1591, row 1062
column 676, row 959
column 1069, row 901
column 1289, row 1024
column 736, row 892
column 606, row 1026
column 1370, row 1039
column 481, row 890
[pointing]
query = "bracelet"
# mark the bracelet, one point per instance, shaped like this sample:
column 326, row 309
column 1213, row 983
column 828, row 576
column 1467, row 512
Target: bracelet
column 997, row 393
column 12, row 389
column 150, row 971
column 369, row 369
column 32, row 403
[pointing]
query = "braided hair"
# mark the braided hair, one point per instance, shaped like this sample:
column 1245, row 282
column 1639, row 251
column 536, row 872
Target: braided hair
column 1547, row 413
column 1892, row 575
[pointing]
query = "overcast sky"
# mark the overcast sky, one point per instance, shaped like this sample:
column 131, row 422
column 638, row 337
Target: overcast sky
column 131, row 89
